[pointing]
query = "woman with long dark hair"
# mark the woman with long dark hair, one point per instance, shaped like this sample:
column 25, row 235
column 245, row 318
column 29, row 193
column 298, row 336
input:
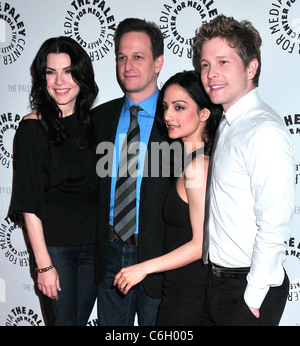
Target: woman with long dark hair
column 190, row 117
column 55, row 183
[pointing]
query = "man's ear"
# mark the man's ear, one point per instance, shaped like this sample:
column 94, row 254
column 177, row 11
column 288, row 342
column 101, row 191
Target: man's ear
column 252, row 68
column 159, row 61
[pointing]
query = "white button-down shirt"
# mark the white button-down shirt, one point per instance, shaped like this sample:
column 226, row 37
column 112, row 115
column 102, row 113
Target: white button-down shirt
column 252, row 195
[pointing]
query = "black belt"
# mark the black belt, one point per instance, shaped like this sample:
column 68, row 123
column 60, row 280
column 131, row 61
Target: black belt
column 132, row 240
column 229, row 273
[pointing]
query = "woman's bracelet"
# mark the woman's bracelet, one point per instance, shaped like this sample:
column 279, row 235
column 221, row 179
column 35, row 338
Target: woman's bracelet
column 43, row 270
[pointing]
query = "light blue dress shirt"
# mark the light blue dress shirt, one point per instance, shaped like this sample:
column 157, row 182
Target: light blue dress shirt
column 145, row 120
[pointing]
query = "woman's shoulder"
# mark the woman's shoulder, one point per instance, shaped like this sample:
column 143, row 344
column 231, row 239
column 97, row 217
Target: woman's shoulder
column 196, row 171
column 196, row 157
column 32, row 115
column 29, row 126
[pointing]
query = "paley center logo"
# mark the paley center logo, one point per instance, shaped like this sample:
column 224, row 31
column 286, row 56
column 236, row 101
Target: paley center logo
column 92, row 24
column 178, row 35
column 9, row 123
column 12, row 34
column 12, row 243
column 284, row 21
column 292, row 121
column 293, row 251
column 23, row 316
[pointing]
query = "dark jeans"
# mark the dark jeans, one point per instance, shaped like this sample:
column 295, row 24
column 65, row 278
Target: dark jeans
column 115, row 309
column 225, row 304
column 75, row 267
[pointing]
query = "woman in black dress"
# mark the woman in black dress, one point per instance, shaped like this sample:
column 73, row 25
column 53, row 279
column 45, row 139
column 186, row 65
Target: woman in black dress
column 190, row 117
column 55, row 184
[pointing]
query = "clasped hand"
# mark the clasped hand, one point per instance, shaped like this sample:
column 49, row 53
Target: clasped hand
column 129, row 277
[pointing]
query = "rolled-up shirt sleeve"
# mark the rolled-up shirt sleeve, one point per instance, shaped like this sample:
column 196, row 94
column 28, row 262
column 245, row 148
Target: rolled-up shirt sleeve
column 271, row 168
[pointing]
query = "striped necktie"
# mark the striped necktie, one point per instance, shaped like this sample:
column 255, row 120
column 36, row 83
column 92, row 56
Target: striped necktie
column 125, row 193
column 220, row 128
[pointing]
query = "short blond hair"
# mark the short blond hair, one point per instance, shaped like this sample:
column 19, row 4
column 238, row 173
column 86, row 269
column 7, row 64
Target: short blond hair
column 240, row 35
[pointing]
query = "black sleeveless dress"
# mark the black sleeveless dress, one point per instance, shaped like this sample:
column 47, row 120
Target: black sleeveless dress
column 184, row 288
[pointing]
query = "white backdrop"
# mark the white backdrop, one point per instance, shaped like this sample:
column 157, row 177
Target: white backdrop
column 24, row 25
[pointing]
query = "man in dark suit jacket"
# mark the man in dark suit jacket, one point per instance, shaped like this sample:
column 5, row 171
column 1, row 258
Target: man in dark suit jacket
column 139, row 50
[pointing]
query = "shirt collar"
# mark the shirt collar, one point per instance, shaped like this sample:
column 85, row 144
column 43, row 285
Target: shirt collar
column 148, row 105
column 242, row 106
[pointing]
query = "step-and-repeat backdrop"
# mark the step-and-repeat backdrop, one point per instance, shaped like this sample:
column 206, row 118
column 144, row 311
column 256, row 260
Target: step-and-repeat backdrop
column 24, row 25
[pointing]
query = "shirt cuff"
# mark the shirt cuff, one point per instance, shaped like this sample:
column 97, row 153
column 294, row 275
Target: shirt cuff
column 255, row 296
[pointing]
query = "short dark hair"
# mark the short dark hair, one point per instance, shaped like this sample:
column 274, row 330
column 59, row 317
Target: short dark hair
column 190, row 81
column 240, row 35
column 82, row 73
column 140, row 25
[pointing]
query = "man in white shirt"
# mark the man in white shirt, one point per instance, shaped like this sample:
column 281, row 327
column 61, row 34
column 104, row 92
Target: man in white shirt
column 251, row 197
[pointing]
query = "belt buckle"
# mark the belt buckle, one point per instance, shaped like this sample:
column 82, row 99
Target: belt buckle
column 216, row 271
